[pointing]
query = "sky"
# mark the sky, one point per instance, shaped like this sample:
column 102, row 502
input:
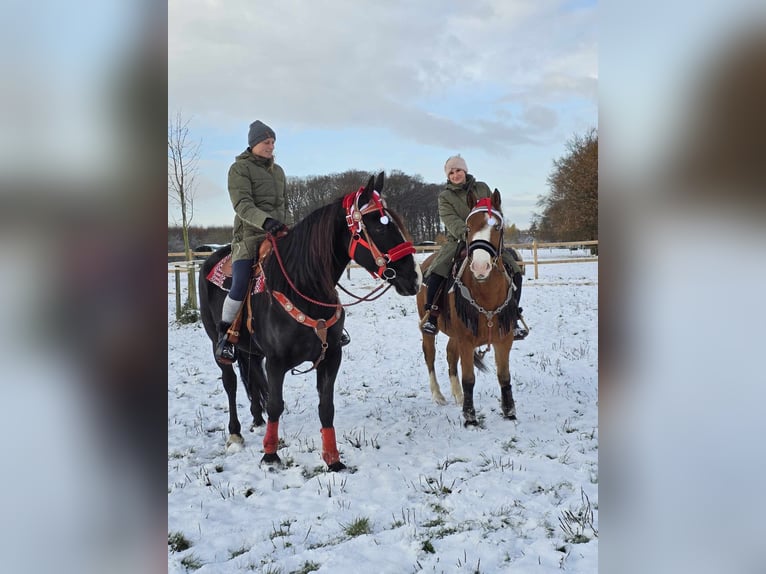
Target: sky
column 507, row 483
column 385, row 86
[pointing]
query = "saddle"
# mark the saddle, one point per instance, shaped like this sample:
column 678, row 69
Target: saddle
column 220, row 276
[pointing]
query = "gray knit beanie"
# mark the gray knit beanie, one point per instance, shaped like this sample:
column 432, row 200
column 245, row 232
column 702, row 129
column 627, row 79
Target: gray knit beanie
column 259, row 132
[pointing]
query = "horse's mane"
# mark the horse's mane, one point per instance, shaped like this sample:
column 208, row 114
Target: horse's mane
column 309, row 252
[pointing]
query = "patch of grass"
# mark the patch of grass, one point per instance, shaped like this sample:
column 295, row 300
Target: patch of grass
column 191, row 562
column 238, row 552
column 358, row 527
column 445, row 465
column 308, row 473
column 178, row 542
column 306, row 568
column 433, row 523
column 188, row 314
column 284, row 529
column 428, row 547
column 574, row 523
column 436, row 486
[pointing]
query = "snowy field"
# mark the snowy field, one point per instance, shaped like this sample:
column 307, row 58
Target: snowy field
column 422, row 493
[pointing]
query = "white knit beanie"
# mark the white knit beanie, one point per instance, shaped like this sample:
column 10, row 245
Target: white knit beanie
column 455, row 162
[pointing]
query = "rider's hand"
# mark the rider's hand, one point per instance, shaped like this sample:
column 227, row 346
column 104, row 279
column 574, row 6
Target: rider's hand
column 275, row 227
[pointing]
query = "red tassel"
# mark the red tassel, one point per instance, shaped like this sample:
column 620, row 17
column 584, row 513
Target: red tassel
column 330, row 452
column 271, row 438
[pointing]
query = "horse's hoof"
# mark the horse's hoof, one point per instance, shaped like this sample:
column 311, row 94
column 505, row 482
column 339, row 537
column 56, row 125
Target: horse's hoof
column 235, row 443
column 257, row 423
column 271, row 458
column 509, row 413
column 470, row 418
column 440, row 400
column 336, row 467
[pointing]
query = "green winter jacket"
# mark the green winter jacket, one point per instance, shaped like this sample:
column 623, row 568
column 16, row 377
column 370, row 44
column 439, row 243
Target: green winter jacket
column 257, row 191
column 453, row 211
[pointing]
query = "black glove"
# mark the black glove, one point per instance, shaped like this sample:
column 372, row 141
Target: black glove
column 275, row 227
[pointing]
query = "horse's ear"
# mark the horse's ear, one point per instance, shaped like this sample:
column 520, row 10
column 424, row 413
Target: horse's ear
column 364, row 197
column 379, row 181
column 496, row 199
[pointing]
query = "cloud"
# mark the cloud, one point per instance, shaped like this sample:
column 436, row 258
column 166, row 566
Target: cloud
column 344, row 64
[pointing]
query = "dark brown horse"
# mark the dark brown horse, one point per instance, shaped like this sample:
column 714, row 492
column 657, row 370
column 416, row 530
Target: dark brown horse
column 298, row 317
column 479, row 309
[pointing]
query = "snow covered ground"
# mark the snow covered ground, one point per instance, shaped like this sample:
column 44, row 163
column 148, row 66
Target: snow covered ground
column 422, row 493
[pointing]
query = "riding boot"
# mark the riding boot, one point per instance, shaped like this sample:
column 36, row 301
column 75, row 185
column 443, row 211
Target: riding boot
column 225, row 351
column 430, row 327
column 519, row 332
column 345, row 339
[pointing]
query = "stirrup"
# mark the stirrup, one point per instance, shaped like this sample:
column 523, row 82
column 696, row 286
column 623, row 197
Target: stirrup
column 519, row 333
column 225, row 351
column 430, row 328
column 344, row 339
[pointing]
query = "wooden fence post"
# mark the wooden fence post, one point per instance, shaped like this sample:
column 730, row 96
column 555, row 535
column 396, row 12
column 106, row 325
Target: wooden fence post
column 190, row 286
column 534, row 255
column 178, row 293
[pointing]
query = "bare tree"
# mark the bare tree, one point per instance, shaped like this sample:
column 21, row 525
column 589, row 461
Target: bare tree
column 183, row 157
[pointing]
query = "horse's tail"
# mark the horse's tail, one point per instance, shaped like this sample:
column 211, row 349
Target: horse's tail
column 478, row 362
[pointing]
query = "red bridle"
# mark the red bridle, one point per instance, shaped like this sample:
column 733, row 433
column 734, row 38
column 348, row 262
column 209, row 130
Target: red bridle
column 359, row 235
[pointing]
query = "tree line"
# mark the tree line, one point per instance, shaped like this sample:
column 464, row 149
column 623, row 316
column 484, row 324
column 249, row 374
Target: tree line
column 409, row 196
column 569, row 212
column 570, row 209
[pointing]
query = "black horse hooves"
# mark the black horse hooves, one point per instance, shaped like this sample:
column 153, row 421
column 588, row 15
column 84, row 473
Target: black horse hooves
column 336, row 467
column 257, row 424
column 271, row 459
column 470, row 418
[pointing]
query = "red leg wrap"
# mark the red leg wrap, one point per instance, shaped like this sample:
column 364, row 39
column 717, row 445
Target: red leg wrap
column 329, row 446
column 271, row 438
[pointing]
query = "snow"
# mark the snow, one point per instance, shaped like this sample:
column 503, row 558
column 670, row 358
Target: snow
column 437, row 497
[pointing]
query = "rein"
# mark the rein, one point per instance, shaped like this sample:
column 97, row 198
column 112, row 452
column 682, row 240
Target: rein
column 359, row 236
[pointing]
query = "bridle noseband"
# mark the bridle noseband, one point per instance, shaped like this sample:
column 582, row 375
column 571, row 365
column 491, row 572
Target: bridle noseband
column 360, row 236
column 485, row 205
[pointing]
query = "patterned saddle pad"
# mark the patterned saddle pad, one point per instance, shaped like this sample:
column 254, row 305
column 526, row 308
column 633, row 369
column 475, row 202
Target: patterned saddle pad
column 220, row 275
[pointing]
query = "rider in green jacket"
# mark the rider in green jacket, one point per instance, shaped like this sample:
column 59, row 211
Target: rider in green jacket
column 453, row 211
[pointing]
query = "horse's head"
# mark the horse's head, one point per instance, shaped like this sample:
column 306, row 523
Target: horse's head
column 484, row 235
column 379, row 241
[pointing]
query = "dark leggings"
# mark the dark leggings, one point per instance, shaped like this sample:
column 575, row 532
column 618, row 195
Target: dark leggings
column 240, row 276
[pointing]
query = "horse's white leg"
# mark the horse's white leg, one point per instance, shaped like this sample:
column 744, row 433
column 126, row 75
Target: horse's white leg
column 436, row 392
column 454, row 380
column 429, row 353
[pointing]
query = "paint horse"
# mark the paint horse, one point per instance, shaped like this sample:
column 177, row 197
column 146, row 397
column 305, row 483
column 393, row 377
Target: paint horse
column 479, row 309
column 297, row 317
